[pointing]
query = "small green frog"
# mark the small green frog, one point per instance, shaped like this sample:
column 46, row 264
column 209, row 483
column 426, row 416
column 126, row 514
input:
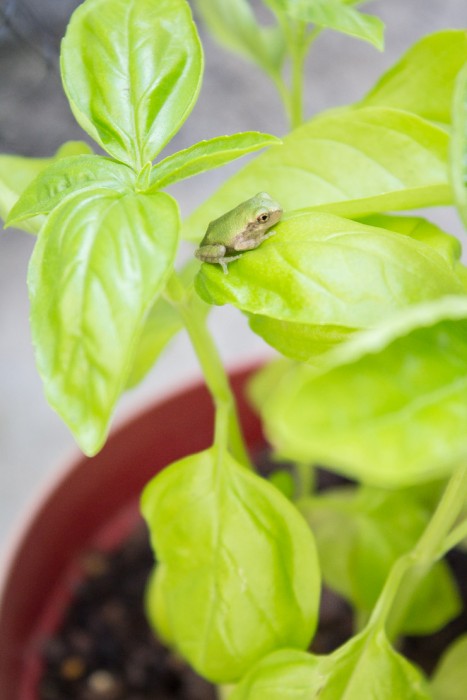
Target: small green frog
column 240, row 229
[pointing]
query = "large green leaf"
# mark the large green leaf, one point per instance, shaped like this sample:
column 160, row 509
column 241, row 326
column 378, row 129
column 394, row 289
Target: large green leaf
column 207, row 155
column 391, row 410
column 459, row 144
column 349, row 162
column 422, row 81
column 450, row 678
column 365, row 667
column 334, row 14
column 17, row 172
column 360, row 534
column 310, row 343
column 100, row 260
column 321, row 270
column 131, row 70
column 237, row 574
column 235, row 26
column 66, row 176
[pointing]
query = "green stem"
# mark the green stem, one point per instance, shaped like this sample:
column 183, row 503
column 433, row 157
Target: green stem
column 360, row 620
column 458, row 534
column 298, row 42
column 305, row 477
column 212, row 367
column 385, row 602
column 222, row 425
column 297, row 49
column 409, row 570
column 299, row 45
column 284, row 94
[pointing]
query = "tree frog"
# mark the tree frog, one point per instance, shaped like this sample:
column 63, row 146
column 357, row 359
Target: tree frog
column 240, row 229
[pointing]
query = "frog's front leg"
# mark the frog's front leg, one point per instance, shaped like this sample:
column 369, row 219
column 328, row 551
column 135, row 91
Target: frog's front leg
column 250, row 243
column 215, row 253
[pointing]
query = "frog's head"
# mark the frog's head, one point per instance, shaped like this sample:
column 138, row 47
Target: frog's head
column 265, row 210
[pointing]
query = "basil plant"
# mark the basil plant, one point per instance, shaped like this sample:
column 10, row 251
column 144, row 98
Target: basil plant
column 365, row 303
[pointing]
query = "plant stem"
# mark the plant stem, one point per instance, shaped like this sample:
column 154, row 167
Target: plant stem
column 409, row 570
column 360, row 620
column 305, row 477
column 211, row 365
column 458, row 534
column 298, row 43
column 296, row 39
column 385, row 602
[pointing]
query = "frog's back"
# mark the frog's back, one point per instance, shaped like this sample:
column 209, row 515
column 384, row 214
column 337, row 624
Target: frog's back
column 228, row 225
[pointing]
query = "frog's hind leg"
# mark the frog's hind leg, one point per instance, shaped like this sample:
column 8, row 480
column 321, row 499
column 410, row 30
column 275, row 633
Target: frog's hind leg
column 224, row 262
column 211, row 253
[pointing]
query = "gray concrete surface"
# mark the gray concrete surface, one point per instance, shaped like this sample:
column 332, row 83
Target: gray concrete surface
column 35, row 120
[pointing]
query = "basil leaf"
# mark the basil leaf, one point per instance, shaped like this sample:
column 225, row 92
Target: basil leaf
column 132, row 71
column 99, row 262
column 450, row 678
column 351, row 163
column 238, row 567
column 390, row 410
column 459, row 144
column 234, row 25
column 426, row 232
column 299, row 341
column 422, row 81
column 310, row 343
column 66, row 176
column 365, row 667
column 368, row 667
column 207, row 155
column 283, row 675
column 360, row 534
column 422, row 230
column 319, row 269
column 16, row 173
column 334, row 14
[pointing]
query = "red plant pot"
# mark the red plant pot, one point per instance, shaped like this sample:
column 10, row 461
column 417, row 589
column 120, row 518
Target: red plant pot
column 95, row 503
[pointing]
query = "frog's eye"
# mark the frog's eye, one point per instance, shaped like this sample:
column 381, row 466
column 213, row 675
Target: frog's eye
column 263, row 217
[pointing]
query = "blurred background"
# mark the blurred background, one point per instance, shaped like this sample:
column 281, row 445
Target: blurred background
column 35, row 120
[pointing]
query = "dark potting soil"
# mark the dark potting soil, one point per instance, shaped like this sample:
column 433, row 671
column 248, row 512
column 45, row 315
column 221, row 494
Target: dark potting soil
column 106, row 651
